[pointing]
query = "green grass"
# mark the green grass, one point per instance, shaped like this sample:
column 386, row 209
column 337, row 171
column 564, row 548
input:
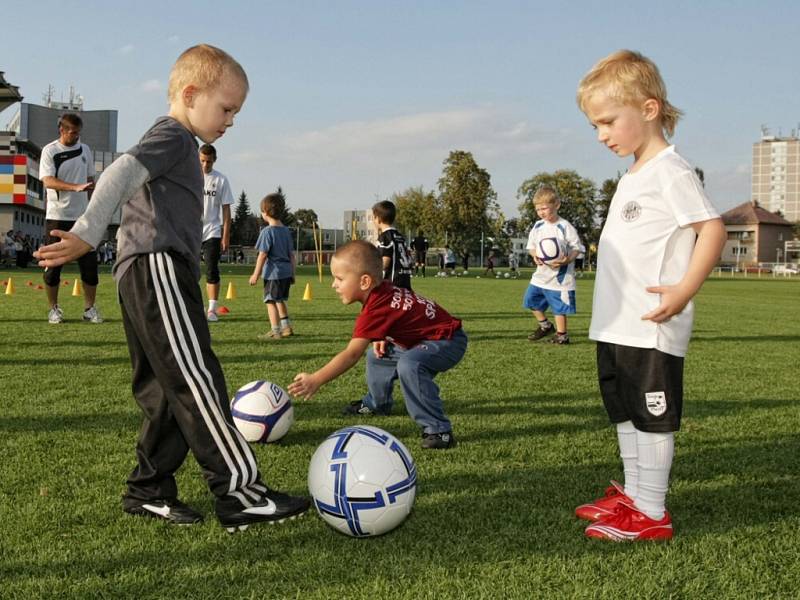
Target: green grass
column 493, row 518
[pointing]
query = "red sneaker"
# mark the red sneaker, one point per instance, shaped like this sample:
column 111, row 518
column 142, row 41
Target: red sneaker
column 605, row 506
column 629, row 524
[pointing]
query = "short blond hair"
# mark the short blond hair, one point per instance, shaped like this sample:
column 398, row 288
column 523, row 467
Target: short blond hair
column 203, row 66
column 546, row 195
column 362, row 258
column 630, row 78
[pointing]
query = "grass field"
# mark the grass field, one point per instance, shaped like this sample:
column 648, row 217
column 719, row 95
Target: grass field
column 493, row 518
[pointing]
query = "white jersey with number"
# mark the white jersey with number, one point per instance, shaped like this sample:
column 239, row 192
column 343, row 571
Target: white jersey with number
column 216, row 193
column 72, row 164
column 563, row 235
column 648, row 241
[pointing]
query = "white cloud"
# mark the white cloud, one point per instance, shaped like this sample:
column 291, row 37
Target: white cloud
column 151, row 85
column 126, row 49
column 484, row 131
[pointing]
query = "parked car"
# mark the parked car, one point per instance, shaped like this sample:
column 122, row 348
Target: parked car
column 786, row 270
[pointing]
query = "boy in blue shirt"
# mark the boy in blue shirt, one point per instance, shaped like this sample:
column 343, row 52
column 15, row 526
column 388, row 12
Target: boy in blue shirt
column 275, row 265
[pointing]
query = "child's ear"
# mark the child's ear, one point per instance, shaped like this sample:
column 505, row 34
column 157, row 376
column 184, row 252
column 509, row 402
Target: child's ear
column 651, row 109
column 188, row 94
column 366, row 281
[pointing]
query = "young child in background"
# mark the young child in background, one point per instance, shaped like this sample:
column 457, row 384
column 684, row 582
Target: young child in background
column 414, row 340
column 392, row 245
column 661, row 239
column 275, row 265
column 553, row 282
column 177, row 380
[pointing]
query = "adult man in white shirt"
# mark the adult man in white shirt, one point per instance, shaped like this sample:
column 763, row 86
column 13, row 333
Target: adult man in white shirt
column 67, row 172
column 217, row 200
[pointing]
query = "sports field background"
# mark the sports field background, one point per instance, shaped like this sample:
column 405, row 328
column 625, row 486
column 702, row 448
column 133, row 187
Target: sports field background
column 493, row 518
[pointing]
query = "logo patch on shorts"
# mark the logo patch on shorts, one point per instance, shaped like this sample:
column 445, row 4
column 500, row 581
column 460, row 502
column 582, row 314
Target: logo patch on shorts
column 656, row 403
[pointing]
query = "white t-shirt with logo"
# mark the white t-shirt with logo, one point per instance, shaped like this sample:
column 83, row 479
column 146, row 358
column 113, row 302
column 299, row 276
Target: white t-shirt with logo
column 216, row 193
column 561, row 234
column 648, row 241
column 73, row 164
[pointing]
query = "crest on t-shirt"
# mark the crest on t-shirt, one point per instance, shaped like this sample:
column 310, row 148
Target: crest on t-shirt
column 656, row 403
column 631, row 211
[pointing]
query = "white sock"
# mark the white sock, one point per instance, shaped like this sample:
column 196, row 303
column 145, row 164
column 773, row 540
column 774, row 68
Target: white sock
column 212, row 305
column 655, row 461
column 628, row 452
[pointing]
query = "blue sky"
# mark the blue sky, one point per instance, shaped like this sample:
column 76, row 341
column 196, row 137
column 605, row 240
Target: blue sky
column 352, row 101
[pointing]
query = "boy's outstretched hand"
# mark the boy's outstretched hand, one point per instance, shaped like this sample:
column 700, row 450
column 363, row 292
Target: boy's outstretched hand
column 58, row 253
column 304, row 386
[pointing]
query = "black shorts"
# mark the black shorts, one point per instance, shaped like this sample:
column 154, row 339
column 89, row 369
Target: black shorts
column 212, row 248
column 642, row 385
column 277, row 290
column 86, row 263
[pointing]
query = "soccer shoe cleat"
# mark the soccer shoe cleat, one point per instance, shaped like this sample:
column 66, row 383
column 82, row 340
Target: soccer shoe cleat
column 629, row 524
column 287, row 331
column 541, row 332
column 92, row 315
column 212, row 316
column 357, row 407
column 438, row 441
column 56, row 315
column 170, row 510
column 276, row 507
column 560, row 338
column 605, row 506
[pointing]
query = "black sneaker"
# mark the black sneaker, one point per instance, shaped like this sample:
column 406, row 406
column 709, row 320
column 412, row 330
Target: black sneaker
column 438, row 441
column 168, row 509
column 540, row 333
column 275, row 508
column 560, row 338
column 357, row 407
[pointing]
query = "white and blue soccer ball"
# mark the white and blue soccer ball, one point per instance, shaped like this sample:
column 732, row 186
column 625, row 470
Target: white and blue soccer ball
column 262, row 411
column 363, row 481
column 550, row 249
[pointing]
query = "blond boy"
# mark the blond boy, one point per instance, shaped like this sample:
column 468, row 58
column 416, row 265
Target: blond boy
column 177, row 380
column 661, row 239
column 553, row 243
column 414, row 340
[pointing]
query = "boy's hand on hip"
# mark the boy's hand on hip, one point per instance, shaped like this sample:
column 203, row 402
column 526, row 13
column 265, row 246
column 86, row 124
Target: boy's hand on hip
column 673, row 301
column 304, row 386
column 68, row 249
column 379, row 348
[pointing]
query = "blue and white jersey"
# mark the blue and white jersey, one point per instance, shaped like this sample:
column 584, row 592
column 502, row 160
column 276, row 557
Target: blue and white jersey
column 564, row 236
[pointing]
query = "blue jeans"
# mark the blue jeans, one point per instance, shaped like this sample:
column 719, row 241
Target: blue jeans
column 415, row 368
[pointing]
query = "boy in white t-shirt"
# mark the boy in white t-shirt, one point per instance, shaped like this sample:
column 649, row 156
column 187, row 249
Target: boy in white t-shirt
column 217, row 200
column 661, row 239
column 553, row 243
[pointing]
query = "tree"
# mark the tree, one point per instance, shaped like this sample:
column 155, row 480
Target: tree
column 286, row 217
column 305, row 217
column 604, row 196
column 240, row 218
column 467, row 204
column 416, row 211
column 578, row 201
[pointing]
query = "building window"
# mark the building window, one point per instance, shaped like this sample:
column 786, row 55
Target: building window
column 739, row 250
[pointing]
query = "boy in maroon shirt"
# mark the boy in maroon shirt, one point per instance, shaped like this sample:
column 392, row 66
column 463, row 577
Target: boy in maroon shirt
column 414, row 339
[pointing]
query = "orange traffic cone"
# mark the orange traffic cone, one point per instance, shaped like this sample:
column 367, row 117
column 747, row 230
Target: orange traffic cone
column 223, row 310
column 231, row 295
column 77, row 289
column 307, row 295
column 10, row 287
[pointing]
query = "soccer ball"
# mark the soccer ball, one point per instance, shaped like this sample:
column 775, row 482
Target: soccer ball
column 550, row 249
column 262, row 411
column 507, row 275
column 363, row 481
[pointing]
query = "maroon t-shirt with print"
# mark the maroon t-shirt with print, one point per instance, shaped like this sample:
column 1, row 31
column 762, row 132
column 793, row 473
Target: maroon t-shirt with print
column 400, row 316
